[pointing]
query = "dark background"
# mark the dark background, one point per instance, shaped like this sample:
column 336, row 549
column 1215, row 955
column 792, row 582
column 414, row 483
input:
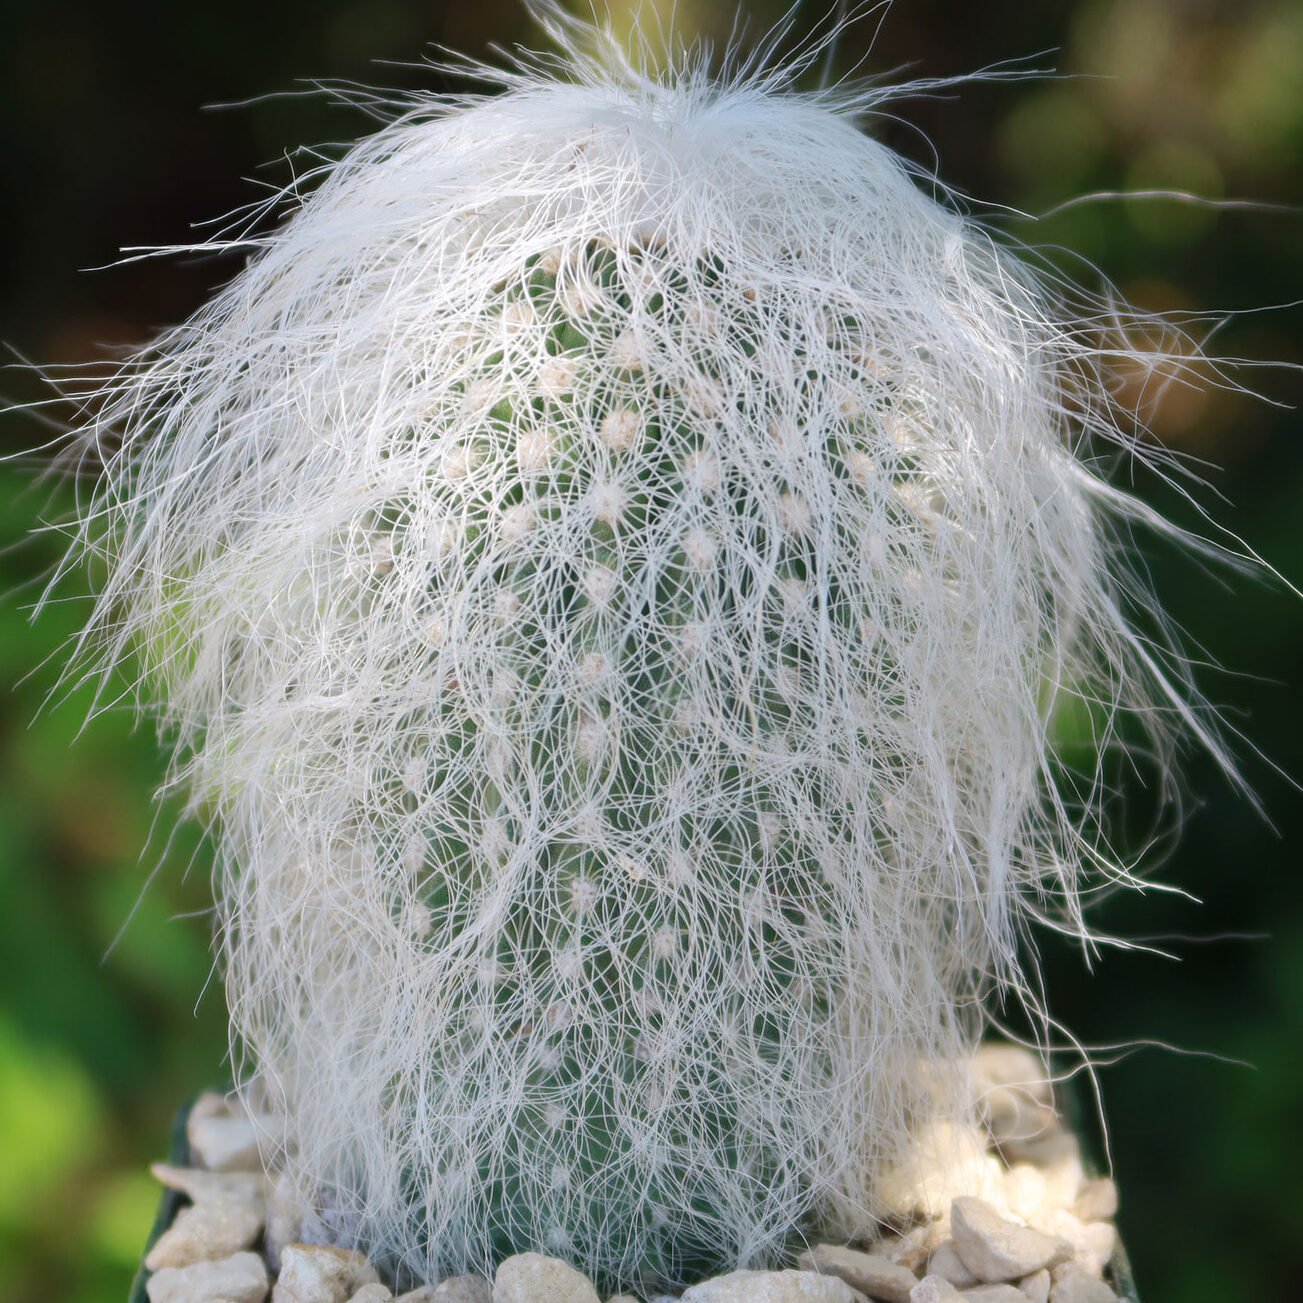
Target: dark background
column 105, row 143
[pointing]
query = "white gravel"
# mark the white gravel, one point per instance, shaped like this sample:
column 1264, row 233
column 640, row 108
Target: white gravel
column 1003, row 1214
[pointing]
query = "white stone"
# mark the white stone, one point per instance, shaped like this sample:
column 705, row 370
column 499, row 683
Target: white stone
column 934, row 1289
column 196, row 1184
column 995, row 1249
column 1073, row 1285
column 947, row 1263
column 1098, row 1201
column 535, row 1278
column 422, row 1294
column 1064, row 1174
column 1002, row 1063
column 463, row 1289
column 1013, row 1091
column 1021, row 1124
column 914, row 1248
column 204, row 1232
column 1092, row 1243
column 284, row 1220
column 944, row 1161
column 771, row 1287
column 1025, row 1191
column 210, row 1104
column 225, row 1144
column 375, row 1292
column 1036, row 1286
column 869, row 1273
column 241, row 1278
column 366, row 1273
column 1049, row 1148
column 320, row 1273
column 994, row 1294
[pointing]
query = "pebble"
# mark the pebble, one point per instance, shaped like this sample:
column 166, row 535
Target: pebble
column 1025, row 1191
column 934, row 1289
column 1036, row 1286
column 225, row 1144
column 994, row 1294
column 995, row 1249
column 770, row 1287
column 320, row 1273
column 463, row 1289
column 534, row 1278
column 1001, row 1064
column 203, row 1232
column 1098, row 1200
column 869, row 1273
column 946, row 1262
column 375, row 1292
column 196, row 1184
column 241, row 1278
column 284, row 1220
column 1014, row 1092
column 1064, row 1175
column 946, row 1160
column 914, row 1248
column 209, row 1105
column 222, row 1136
column 1047, row 1150
column 1072, row 1285
column 1093, row 1243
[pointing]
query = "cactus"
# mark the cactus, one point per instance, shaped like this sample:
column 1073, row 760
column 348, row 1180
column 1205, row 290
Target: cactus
column 607, row 567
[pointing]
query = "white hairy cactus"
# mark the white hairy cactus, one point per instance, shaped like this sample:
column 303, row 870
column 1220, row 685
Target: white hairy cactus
column 607, row 565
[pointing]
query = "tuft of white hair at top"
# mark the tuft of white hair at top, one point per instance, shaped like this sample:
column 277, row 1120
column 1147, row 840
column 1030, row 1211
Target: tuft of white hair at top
column 607, row 567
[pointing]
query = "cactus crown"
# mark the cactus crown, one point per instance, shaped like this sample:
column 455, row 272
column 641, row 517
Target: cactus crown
column 607, row 564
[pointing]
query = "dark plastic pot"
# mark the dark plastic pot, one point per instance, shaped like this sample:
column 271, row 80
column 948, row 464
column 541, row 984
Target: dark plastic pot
column 179, row 1156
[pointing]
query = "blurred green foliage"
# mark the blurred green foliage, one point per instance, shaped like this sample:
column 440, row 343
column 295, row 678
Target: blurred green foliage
column 108, row 1014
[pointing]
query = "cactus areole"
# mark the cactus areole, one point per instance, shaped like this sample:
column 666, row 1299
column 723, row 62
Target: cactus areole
column 606, row 566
